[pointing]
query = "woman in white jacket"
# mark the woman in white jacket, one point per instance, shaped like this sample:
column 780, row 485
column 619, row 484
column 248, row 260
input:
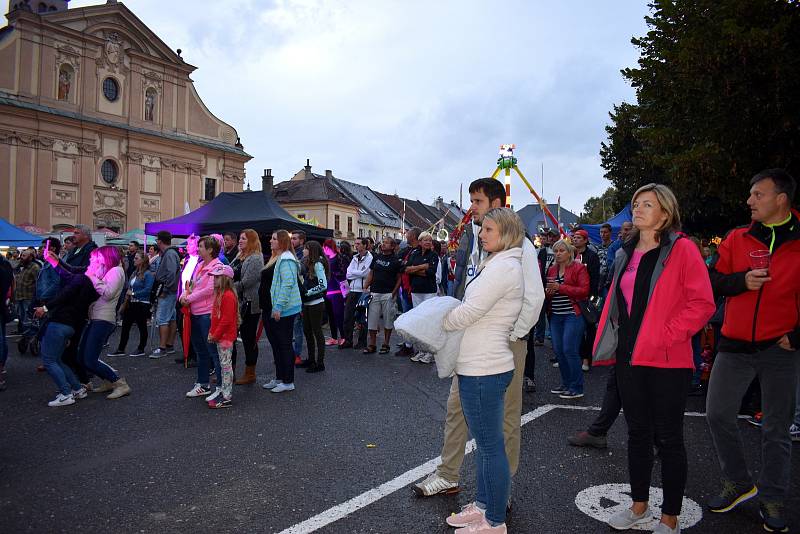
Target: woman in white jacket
column 485, row 364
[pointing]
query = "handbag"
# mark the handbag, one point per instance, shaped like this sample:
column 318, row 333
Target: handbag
column 589, row 311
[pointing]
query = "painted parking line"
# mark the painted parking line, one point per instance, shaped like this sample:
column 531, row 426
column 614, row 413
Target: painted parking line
column 340, row 511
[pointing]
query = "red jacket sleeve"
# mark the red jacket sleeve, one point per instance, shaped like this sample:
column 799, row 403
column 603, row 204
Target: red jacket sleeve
column 576, row 282
column 224, row 320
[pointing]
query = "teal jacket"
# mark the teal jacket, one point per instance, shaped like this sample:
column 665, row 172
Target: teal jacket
column 284, row 291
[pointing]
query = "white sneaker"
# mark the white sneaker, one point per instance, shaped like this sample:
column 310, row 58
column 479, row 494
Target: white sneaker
column 626, row 519
column 62, row 400
column 217, row 393
column 426, row 358
column 80, row 394
column 434, row 485
column 158, row 353
column 585, row 367
column 280, row 388
column 794, row 431
column 416, row 357
column 272, row 383
column 198, row 391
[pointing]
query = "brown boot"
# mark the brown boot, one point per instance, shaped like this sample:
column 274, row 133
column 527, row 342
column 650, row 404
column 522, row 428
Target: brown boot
column 249, row 376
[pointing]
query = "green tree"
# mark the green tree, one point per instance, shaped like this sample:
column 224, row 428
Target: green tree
column 716, row 87
column 599, row 209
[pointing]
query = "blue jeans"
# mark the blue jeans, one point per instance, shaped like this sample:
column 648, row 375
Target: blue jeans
column 697, row 351
column 483, row 400
column 94, row 337
column 54, row 341
column 25, row 317
column 206, row 352
column 567, row 332
column 298, row 334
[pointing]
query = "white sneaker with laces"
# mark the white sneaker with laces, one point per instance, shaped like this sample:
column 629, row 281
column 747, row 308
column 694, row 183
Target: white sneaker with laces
column 62, row 400
column 272, row 383
column 217, row 393
column 426, row 358
column 158, row 353
column 80, row 394
column 280, row 388
column 434, row 484
column 626, row 519
column 198, row 391
column 794, row 431
column 416, row 357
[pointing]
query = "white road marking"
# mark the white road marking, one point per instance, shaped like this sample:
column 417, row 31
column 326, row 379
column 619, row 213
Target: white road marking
column 591, row 502
column 340, row 511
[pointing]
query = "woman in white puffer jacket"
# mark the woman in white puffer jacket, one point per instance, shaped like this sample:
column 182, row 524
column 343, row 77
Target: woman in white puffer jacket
column 485, row 364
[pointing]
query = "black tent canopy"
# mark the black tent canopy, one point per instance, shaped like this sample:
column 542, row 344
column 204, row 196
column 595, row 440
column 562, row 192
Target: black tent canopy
column 233, row 212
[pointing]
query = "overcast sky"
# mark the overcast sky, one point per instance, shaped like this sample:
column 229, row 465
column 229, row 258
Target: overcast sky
column 411, row 97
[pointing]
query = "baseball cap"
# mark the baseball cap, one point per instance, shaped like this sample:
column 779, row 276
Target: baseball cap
column 222, row 270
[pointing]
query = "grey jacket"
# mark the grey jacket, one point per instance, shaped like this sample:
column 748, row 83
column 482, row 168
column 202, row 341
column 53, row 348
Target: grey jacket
column 169, row 271
column 247, row 287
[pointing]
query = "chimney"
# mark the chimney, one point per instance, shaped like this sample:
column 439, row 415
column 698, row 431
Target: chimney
column 439, row 203
column 328, row 173
column 308, row 169
column 266, row 182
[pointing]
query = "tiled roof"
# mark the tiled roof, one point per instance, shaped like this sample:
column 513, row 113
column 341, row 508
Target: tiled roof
column 396, row 203
column 316, row 189
column 373, row 209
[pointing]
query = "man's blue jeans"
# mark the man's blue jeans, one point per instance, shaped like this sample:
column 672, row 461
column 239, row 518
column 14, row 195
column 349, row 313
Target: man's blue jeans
column 54, row 341
column 206, row 352
column 25, row 317
column 94, row 337
column 567, row 332
column 297, row 334
column 483, row 400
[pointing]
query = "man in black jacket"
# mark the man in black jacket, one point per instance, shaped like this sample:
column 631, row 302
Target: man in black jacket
column 78, row 257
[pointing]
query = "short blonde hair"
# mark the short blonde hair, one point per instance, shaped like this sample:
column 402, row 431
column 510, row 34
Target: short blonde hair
column 567, row 245
column 669, row 205
column 510, row 227
column 423, row 235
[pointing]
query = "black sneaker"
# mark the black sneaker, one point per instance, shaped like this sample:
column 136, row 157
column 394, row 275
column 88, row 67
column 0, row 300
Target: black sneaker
column 117, row 353
column 731, row 496
column 770, row 513
column 137, row 353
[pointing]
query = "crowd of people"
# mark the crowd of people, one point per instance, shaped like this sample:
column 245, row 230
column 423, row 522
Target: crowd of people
column 657, row 309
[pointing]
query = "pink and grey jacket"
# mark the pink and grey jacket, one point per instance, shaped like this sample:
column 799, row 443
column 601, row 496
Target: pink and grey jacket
column 679, row 305
column 201, row 297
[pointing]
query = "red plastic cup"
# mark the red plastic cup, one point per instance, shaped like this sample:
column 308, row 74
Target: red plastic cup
column 759, row 259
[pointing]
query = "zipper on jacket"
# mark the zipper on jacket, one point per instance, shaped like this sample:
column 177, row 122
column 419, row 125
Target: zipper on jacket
column 755, row 313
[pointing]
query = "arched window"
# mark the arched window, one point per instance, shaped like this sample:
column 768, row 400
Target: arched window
column 66, row 79
column 150, row 98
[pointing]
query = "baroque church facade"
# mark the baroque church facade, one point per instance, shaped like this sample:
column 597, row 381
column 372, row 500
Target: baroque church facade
column 100, row 123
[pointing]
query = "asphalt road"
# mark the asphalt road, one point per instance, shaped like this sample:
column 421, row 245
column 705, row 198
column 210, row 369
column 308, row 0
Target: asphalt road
column 158, row 462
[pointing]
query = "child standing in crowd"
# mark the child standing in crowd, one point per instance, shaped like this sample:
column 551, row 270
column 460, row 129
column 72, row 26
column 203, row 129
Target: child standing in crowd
column 224, row 328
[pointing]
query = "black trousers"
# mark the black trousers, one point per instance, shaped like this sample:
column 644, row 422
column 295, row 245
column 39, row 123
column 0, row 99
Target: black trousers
column 530, row 356
column 350, row 318
column 609, row 411
column 654, row 400
column 312, row 328
column 279, row 335
column 70, row 356
column 248, row 330
column 137, row 313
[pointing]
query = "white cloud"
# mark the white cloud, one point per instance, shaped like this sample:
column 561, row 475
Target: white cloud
column 413, row 96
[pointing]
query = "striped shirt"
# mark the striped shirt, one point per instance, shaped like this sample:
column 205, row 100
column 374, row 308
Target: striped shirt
column 561, row 304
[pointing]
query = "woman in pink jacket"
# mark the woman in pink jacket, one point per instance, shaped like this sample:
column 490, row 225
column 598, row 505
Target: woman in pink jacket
column 198, row 295
column 660, row 297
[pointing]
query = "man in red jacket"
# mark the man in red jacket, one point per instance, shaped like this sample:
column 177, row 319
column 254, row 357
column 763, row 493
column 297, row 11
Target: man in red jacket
column 760, row 338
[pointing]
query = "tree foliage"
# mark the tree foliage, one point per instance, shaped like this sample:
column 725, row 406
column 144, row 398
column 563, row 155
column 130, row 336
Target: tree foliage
column 599, row 209
column 716, row 86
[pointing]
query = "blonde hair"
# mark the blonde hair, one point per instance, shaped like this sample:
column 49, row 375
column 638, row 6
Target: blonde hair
column 568, row 246
column 221, row 285
column 509, row 225
column 667, row 202
column 424, row 235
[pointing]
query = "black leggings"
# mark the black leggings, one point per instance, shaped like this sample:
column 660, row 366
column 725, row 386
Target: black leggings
column 279, row 335
column 312, row 328
column 248, row 330
column 653, row 401
column 136, row 313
